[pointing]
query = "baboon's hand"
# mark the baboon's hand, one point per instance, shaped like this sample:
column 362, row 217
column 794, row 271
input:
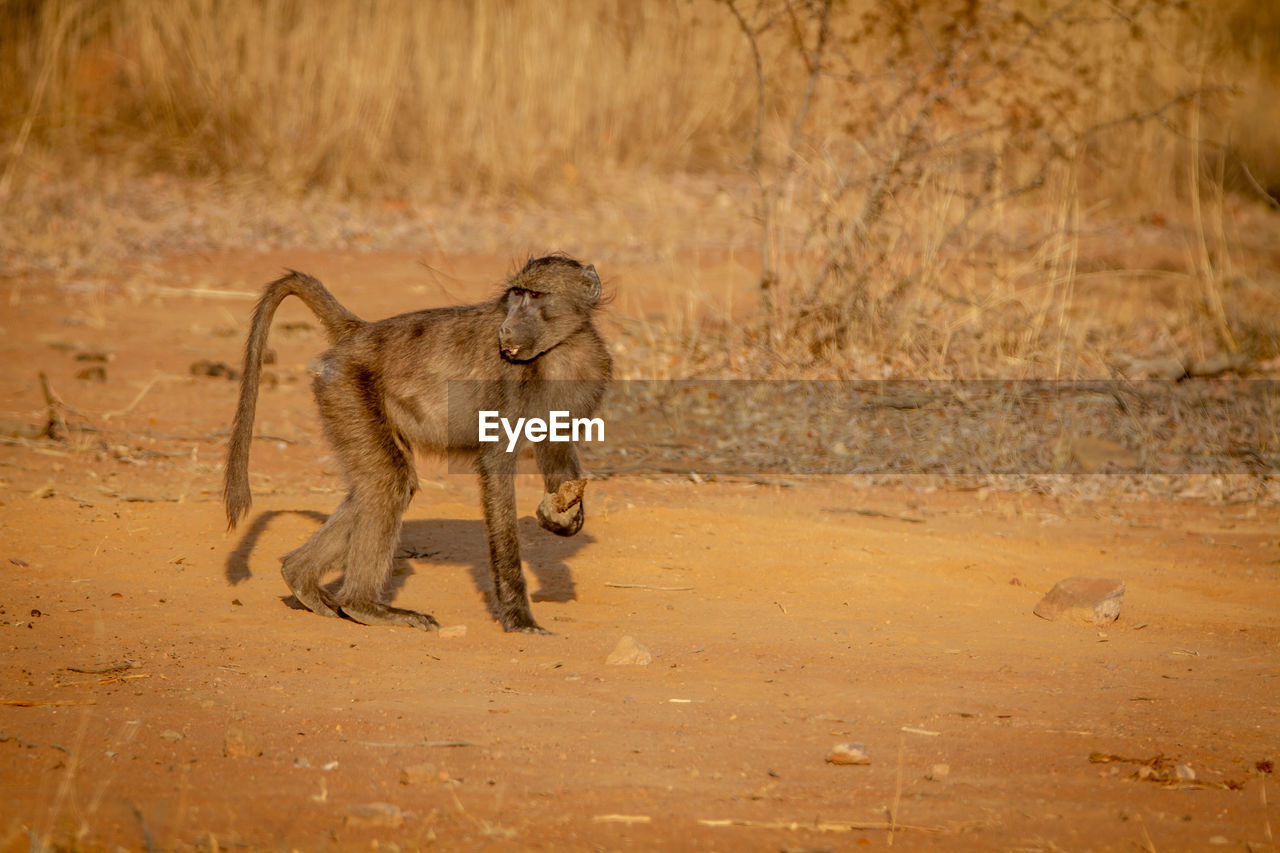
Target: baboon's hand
column 561, row 510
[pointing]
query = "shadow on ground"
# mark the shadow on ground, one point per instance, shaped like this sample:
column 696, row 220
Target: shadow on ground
column 459, row 541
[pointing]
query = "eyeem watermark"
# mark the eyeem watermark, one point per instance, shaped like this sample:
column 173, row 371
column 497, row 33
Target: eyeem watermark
column 558, row 427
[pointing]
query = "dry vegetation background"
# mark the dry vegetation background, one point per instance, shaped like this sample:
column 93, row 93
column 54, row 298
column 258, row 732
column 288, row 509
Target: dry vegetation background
column 1035, row 188
column 1003, row 193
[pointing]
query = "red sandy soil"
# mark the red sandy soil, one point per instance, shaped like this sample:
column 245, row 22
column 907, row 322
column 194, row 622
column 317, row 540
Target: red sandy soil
column 158, row 692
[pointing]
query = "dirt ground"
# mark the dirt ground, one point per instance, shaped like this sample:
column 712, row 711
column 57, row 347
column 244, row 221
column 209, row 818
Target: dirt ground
column 159, row 693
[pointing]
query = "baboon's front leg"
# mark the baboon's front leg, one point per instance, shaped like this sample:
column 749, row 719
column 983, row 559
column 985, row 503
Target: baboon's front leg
column 498, row 494
column 561, row 510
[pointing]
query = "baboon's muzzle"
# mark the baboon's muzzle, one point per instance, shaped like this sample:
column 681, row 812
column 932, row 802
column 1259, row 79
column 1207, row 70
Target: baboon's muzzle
column 513, row 345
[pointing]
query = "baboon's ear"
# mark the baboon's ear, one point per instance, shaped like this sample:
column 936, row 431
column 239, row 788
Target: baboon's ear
column 594, row 287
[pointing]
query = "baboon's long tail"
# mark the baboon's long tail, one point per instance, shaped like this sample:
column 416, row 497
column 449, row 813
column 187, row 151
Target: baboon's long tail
column 338, row 323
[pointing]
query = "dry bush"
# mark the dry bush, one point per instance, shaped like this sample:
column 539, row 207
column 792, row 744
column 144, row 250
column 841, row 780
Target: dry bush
column 925, row 172
column 1244, row 52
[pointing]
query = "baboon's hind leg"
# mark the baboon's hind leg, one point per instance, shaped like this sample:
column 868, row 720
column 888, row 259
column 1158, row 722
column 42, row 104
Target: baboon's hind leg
column 383, row 481
column 379, row 613
column 370, row 558
column 326, row 550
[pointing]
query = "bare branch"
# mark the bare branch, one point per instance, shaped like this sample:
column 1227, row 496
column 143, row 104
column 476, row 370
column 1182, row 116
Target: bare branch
column 758, row 64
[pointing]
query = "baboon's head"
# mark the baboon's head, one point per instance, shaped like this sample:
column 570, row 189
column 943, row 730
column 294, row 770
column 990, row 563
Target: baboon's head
column 546, row 302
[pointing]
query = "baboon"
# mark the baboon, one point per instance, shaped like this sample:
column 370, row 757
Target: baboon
column 416, row 382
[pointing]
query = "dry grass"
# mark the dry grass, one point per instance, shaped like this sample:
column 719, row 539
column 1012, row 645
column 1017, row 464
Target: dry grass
column 395, row 97
column 938, row 190
column 375, row 98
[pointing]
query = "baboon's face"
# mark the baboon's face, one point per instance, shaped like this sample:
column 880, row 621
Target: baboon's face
column 535, row 323
column 546, row 302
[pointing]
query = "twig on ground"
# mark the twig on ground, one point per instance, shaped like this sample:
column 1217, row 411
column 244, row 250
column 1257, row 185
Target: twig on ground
column 106, row 668
column 897, row 793
column 1147, row 843
column 430, row 744
column 114, row 678
column 148, row 840
column 128, row 499
column 205, row 292
column 643, row 467
column 647, row 586
column 819, row 826
column 1266, row 816
column 54, row 422
column 20, row 430
column 873, row 513
column 146, row 389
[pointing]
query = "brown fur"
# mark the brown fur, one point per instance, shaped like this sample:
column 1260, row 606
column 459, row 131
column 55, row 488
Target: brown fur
column 416, row 382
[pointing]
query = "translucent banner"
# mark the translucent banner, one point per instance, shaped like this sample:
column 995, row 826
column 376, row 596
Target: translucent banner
column 962, row 428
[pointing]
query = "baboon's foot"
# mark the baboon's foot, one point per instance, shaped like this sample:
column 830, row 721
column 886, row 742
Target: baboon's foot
column 377, row 613
column 561, row 510
column 314, row 598
column 521, row 622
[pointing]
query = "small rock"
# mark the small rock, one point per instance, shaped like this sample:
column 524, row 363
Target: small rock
column 220, row 841
column 566, row 497
column 213, row 368
column 170, row 735
column 302, row 763
column 1222, row 362
column 1219, row 840
column 453, row 632
column 848, row 753
column 561, row 511
column 1167, row 367
column 1184, row 772
column 938, row 772
column 374, row 816
column 629, row 652
column 417, row 774
column 1094, row 600
column 1098, row 454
